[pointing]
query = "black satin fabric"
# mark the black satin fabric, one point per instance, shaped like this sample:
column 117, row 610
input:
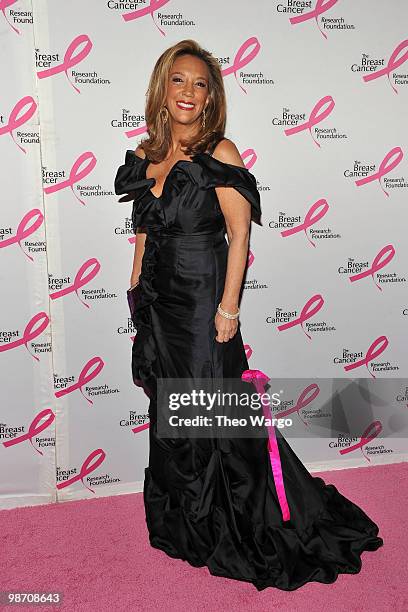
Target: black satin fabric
column 213, row 502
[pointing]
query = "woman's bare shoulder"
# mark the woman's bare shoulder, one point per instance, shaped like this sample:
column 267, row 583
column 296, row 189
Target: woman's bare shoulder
column 226, row 151
column 140, row 152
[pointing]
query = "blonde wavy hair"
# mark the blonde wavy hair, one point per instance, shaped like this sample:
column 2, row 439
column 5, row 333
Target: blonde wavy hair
column 157, row 144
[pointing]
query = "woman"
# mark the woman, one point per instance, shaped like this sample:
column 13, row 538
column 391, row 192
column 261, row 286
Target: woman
column 214, row 502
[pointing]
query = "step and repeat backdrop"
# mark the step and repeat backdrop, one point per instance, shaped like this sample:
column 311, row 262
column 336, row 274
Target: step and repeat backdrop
column 317, row 94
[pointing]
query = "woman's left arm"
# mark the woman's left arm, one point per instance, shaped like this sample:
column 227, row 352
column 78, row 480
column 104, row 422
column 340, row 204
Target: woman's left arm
column 237, row 213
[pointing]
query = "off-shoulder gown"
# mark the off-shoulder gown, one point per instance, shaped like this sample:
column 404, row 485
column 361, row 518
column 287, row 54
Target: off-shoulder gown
column 215, row 502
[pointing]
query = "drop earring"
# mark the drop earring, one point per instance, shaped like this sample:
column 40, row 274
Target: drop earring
column 166, row 114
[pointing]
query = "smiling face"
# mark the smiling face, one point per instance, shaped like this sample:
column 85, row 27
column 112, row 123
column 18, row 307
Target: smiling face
column 187, row 89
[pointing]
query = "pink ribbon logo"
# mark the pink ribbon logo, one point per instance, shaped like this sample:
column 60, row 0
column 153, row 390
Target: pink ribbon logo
column 321, row 7
column 388, row 253
column 16, row 120
column 87, row 468
column 376, row 348
column 308, row 310
column 3, row 5
column 34, row 429
column 314, row 118
column 241, row 59
column 23, row 230
column 75, row 174
column 72, row 57
column 153, row 6
column 312, row 216
column 393, row 63
column 80, row 280
column 252, row 157
column 306, row 397
column 141, row 427
column 259, row 379
column 29, row 334
column 84, row 377
column 137, row 131
column 384, row 168
column 248, row 351
column 375, row 427
column 250, row 259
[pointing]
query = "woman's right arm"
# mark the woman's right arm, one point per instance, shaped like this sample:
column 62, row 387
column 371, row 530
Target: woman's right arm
column 139, row 242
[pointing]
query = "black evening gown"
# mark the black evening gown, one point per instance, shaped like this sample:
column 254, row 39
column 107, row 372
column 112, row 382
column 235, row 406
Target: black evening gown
column 214, row 502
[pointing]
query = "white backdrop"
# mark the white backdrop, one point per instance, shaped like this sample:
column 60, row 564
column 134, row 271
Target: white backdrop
column 317, row 93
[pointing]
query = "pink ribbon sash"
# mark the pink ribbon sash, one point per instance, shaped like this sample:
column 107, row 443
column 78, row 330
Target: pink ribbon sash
column 259, row 379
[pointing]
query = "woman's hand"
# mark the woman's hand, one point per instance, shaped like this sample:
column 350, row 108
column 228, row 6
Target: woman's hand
column 226, row 328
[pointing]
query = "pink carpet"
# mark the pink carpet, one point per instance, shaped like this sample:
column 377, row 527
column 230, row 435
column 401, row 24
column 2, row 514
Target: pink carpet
column 97, row 553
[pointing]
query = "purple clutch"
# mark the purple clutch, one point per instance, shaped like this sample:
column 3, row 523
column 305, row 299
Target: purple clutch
column 132, row 297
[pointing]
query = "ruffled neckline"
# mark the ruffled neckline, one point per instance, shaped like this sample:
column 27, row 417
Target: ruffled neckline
column 202, row 169
column 169, row 174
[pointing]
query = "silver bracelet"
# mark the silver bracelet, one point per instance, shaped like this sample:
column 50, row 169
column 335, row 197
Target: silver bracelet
column 227, row 315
